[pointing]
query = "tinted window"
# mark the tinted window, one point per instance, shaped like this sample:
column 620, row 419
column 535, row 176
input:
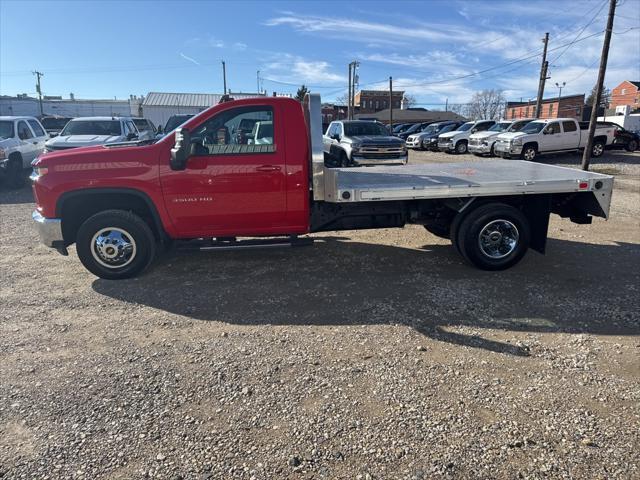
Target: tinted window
column 569, row 126
column 499, row 127
column 465, row 126
column 37, row 129
column 92, row 127
column 6, row 129
column 23, row 131
column 553, row 128
column 226, row 134
column 533, row 127
column 141, row 124
column 448, row 128
column 483, row 126
column 353, row 129
column 52, row 123
column 175, row 121
column 517, row 126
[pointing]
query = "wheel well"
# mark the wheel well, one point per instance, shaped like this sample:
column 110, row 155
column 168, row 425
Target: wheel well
column 530, row 144
column 15, row 156
column 601, row 138
column 76, row 207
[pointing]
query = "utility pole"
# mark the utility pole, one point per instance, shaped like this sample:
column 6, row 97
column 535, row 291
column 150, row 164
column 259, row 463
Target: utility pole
column 352, row 87
column 391, row 103
column 560, row 87
column 349, row 96
column 586, row 155
column 258, row 80
column 224, row 78
column 446, row 104
column 543, row 76
column 39, row 90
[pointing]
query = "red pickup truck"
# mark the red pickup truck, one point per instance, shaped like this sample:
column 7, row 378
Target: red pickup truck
column 215, row 181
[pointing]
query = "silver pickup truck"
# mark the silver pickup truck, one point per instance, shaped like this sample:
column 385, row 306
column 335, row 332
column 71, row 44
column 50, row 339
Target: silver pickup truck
column 552, row 136
column 350, row 143
column 22, row 139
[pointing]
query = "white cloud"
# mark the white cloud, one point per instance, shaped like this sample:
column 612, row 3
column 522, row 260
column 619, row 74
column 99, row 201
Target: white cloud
column 189, row 59
column 289, row 68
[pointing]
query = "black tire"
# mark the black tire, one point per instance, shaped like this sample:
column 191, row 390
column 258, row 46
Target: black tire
column 632, row 146
column 492, row 152
column 494, row 236
column 529, row 153
column 439, row 230
column 462, row 147
column 128, row 226
column 15, row 173
column 597, row 149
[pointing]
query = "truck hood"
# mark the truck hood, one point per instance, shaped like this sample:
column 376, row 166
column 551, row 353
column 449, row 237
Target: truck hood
column 82, row 140
column 483, row 135
column 449, row 135
column 377, row 140
column 510, row 135
column 424, row 135
column 8, row 142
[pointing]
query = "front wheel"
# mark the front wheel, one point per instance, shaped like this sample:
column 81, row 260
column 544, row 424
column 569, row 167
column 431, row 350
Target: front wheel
column 529, row 153
column 15, row 173
column 461, row 147
column 115, row 244
column 494, row 236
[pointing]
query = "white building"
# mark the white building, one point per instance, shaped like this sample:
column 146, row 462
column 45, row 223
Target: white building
column 622, row 116
column 159, row 106
column 71, row 107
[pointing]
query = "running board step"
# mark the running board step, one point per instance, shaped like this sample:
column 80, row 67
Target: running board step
column 231, row 243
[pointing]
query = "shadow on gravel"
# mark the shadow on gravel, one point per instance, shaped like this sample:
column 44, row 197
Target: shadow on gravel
column 575, row 288
column 15, row 196
column 575, row 159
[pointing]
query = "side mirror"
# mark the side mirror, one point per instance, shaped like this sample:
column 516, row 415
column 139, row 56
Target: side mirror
column 474, row 130
column 181, row 150
column 546, row 132
column 131, row 136
column 336, row 136
column 54, row 134
column 159, row 129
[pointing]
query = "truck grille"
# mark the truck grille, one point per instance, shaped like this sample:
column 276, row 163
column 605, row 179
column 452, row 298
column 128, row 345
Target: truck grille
column 475, row 141
column 381, row 151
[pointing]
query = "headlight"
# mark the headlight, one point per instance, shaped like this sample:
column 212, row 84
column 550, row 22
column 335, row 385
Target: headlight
column 517, row 141
column 485, row 142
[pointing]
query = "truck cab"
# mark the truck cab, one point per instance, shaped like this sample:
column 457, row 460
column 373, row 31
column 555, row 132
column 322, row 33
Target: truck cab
column 22, row 139
column 457, row 141
column 482, row 143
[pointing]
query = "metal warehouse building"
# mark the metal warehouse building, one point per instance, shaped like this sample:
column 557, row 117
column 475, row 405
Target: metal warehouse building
column 71, row 107
column 159, row 106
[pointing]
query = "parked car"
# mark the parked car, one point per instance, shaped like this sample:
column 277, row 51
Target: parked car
column 88, row 131
column 174, row 121
column 362, row 142
column 458, row 140
column 401, row 128
column 482, row 143
column 428, row 138
column 415, row 128
column 54, row 124
column 623, row 138
column 261, row 134
column 146, row 129
column 22, row 139
column 552, row 136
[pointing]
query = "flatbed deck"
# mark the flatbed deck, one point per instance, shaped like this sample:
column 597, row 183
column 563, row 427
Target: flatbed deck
column 463, row 179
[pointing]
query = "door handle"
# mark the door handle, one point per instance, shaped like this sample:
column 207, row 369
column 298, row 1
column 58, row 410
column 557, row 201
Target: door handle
column 268, row 168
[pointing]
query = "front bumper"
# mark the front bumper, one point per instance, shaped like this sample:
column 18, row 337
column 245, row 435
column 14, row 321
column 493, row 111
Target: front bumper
column 382, row 161
column 481, row 149
column 50, row 231
column 446, row 147
column 417, row 143
column 507, row 150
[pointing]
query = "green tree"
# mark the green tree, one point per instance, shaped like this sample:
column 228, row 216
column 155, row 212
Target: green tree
column 302, row 91
column 605, row 98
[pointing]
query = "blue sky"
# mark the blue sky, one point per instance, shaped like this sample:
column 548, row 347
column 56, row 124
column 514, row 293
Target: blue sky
column 117, row 48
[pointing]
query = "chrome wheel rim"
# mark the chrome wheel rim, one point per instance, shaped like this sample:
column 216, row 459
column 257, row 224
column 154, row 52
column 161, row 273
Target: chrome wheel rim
column 113, row 247
column 461, row 147
column 498, row 239
column 598, row 149
column 529, row 154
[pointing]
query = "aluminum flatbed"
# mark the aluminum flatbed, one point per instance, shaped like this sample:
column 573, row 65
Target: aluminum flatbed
column 464, row 179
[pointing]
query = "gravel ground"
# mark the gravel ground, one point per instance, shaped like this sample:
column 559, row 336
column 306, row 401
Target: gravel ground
column 370, row 355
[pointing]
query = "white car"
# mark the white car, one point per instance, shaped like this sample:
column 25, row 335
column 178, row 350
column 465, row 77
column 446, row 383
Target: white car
column 482, row 143
column 262, row 133
column 146, row 129
column 22, row 139
column 552, row 136
column 89, row 131
column 458, row 140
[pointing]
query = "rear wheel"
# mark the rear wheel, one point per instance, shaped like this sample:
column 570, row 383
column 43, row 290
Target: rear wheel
column 494, row 236
column 597, row 148
column 115, row 244
column 438, row 229
column 15, row 173
column 632, row 146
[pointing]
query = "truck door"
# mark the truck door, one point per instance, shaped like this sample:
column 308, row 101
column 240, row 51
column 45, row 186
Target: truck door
column 233, row 184
column 571, row 135
column 41, row 136
column 28, row 143
column 552, row 138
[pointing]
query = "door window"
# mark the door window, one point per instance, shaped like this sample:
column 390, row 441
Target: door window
column 23, row 131
column 236, row 131
column 569, row 126
column 37, row 129
column 553, row 128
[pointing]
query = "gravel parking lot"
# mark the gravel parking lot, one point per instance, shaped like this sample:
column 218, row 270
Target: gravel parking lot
column 369, row 355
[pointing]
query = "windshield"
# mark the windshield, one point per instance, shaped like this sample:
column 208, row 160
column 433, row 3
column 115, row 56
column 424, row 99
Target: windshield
column 500, row 127
column 175, row 121
column 141, row 124
column 465, row 126
column 52, row 123
column 92, row 127
column 533, row 127
column 364, row 128
column 6, row 129
column 517, row 126
column 431, row 129
column 448, row 128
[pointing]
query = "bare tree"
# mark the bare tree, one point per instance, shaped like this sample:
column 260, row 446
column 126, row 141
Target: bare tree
column 409, row 101
column 486, row 105
column 342, row 99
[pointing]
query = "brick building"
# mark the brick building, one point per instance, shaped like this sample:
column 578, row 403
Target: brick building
column 570, row 106
column 371, row 101
column 627, row 93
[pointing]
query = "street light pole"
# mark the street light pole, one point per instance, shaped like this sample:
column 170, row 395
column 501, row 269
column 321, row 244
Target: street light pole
column 560, row 87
